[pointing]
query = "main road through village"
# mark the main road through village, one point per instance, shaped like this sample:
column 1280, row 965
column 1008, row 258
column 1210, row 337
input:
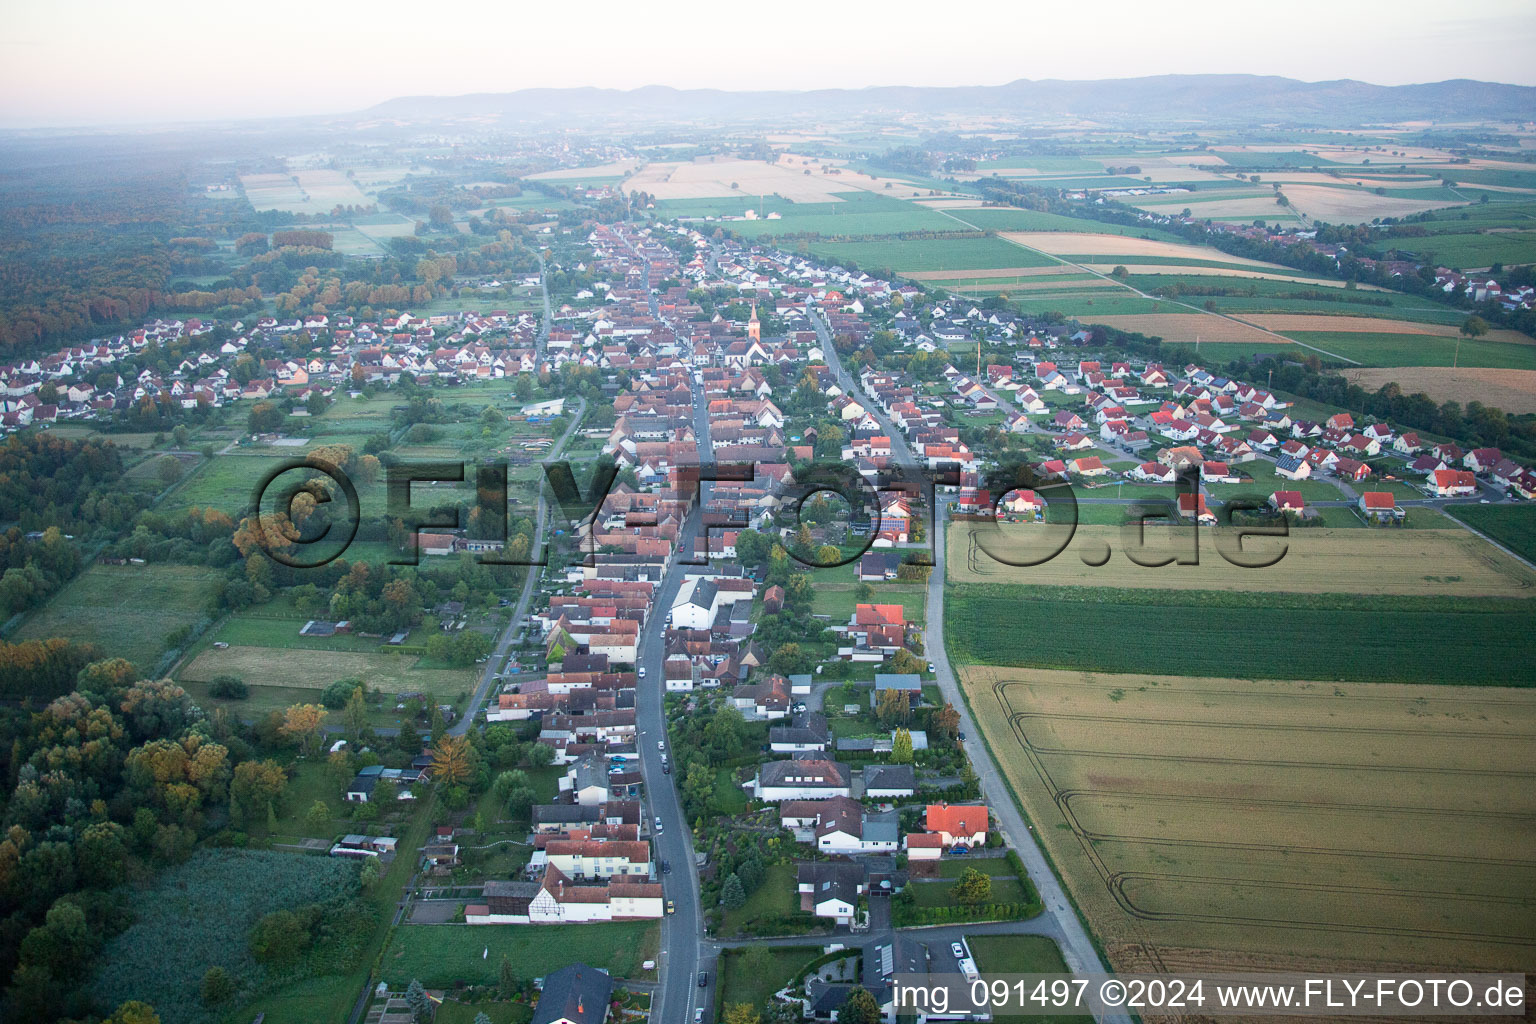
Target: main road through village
column 684, row 951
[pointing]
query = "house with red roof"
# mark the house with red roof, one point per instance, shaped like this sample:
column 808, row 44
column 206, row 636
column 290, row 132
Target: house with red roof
column 1287, row 501
column 958, row 824
column 1380, row 506
column 1452, row 483
column 1192, row 506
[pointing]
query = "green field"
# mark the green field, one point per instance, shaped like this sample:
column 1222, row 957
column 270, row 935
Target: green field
column 772, row 901
column 1420, row 350
column 443, row 954
column 127, row 610
column 933, row 254
column 1514, row 526
column 1002, row 218
column 743, row 981
column 1262, row 635
column 1467, row 251
column 837, row 600
column 1022, row 954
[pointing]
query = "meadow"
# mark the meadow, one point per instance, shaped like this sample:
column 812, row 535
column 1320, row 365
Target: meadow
column 127, row 610
column 1220, row 823
column 300, row 667
column 441, row 955
column 1445, row 563
column 1330, row 636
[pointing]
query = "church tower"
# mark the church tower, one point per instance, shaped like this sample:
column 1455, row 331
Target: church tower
column 754, row 326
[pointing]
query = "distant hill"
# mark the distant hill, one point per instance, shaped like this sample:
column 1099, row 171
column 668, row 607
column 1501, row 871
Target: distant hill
column 1224, row 99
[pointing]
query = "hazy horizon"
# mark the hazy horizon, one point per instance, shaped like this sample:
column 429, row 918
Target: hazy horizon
column 90, row 63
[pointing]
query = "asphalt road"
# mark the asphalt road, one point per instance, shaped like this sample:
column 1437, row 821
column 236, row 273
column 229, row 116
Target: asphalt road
column 1059, row 920
column 677, row 994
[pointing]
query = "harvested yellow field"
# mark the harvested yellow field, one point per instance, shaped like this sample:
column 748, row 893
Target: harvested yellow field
column 1514, row 391
column 1189, row 327
column 1322, row 322
column 1336, row 205
column 1450, row 563
column 1074, row 243
column 1205, row 823
column 709, row 177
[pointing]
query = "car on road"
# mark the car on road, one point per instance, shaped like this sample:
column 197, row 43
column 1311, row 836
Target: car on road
column 958, row 950
column 931, row 667
column 698, row 1016
column 666, row 867
column 642, row 671
column 703, row 979
column 661, row 745
column 658, row 826
column 671, row 907
column 962, row 737
column 666, row 768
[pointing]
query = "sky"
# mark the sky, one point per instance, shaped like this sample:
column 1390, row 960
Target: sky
column 83, row 62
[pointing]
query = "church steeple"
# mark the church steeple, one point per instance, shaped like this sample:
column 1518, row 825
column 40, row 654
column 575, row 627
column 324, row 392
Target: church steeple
column 754, row 326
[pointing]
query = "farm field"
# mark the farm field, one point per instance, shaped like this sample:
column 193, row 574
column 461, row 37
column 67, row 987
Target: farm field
column 127, row 609
column 318, row 191
column 1061, row 243
column 934, row 254
column 1003, row 218
column 1317, row 561
column 1186, row 327
column 1514, row 391
column 851, row 214
column 1285, row 322
column 725, row 176
column 1514, row 526
column 439, row 955
column 301, row 667
column 1350, row 206
column 1479, row 251
column 1387, row 349
column 1219, row 823
column 1326, row 635
column 618, row 168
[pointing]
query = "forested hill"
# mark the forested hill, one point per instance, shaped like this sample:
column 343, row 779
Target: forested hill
column 1213, row 98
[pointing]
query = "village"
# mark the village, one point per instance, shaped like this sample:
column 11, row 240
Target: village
column 747, row 730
